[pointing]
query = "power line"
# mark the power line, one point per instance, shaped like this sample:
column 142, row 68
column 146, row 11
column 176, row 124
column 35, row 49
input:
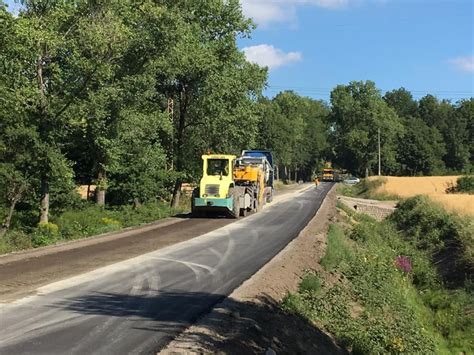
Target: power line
column 326, row 89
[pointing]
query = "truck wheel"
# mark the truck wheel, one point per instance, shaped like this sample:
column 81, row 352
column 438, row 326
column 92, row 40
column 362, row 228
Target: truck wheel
column 236, row 203
column 270, row 196
column 195, row 213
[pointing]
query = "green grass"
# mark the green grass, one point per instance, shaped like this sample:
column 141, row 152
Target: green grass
column 85, row 222
column 376, row 306
column 366, row 189
column 337, row 250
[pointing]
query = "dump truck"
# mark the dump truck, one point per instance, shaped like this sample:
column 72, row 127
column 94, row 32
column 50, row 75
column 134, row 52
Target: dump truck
column 328, row 172
column 233, row 186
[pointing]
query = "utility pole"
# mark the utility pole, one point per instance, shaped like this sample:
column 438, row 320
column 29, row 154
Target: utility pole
column 380, row 160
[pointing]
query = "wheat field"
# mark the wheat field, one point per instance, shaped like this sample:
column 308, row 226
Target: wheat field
column 432, row 186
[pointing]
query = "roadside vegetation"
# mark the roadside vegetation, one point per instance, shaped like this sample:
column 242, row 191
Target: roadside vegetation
column 86, row 220
column 403, row 285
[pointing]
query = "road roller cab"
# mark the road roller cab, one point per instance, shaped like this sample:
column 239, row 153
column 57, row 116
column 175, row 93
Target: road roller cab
column 215, row 189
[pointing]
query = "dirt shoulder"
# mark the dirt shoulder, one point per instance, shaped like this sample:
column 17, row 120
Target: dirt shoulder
column 250, row 320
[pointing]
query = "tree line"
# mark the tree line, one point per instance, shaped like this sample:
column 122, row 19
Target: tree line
column 127, row 95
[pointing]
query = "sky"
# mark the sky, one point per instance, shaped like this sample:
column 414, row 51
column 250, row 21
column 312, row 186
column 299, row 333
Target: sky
column 310, row 46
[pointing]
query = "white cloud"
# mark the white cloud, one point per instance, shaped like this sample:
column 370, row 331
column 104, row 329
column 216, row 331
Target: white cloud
column 464, row 63
column 266, row 55
column 264, row 12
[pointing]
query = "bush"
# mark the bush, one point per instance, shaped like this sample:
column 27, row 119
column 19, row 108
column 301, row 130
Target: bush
column 45, row 234
column 464, row 184
column 310, row 283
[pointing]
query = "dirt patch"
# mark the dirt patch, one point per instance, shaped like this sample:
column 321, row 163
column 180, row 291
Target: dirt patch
column 250, row 319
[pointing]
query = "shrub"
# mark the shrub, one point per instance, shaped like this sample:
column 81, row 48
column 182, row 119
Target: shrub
column 466, row 184
column 46, row 233
column 310, row 283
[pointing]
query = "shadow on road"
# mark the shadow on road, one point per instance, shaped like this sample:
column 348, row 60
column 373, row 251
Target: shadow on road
column 235, row 327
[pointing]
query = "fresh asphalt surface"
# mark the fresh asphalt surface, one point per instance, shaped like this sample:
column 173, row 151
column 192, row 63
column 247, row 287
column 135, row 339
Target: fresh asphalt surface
column 139, row 305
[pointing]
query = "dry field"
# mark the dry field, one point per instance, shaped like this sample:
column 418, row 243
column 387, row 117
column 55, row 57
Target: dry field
column 433, row 186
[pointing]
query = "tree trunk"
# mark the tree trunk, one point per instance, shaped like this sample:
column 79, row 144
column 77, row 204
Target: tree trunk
column 8, row 218
column 286, row 173
column 44, row 201
column 277, row 172
column 178, row 147
column 296, row 174
column 100, row 188
column 136, row 203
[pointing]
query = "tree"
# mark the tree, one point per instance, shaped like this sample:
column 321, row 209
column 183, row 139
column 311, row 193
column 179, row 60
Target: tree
column 358, row 112
column 421, row 150
column 401, row 100
column 205, row 56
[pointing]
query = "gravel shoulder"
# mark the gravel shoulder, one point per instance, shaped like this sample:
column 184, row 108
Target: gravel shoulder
column 250, row 320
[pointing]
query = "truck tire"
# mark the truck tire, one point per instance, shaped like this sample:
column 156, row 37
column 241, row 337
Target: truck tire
column 195, row 213
column 270, row 196
column 236, row 203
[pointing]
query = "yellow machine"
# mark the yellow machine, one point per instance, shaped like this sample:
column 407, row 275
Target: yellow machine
column 216, row 189
column 328, row 172
column 250, row 173
column 331, row 174
column 233, row 185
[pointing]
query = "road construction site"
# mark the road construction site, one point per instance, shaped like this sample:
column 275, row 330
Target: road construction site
column 157, row 281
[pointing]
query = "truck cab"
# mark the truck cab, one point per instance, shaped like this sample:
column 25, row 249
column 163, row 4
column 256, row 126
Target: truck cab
column 215, row 187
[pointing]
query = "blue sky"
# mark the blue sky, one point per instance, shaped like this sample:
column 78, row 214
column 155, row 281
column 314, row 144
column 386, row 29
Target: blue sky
column 311, row 46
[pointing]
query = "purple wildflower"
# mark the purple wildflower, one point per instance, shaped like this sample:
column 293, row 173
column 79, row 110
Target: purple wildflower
column 403, row 263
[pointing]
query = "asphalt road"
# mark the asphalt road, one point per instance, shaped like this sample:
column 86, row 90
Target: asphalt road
column 138, row 305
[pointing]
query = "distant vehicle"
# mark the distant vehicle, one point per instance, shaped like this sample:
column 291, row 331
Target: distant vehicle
column 352, row 180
